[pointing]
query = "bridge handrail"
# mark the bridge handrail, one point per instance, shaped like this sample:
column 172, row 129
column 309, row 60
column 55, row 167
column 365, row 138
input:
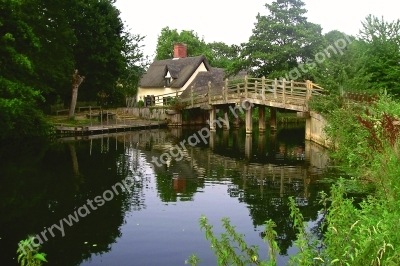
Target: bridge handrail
column 282, row 90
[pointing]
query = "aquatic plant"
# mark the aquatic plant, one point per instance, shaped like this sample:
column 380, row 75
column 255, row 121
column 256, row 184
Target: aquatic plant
column 28, row 253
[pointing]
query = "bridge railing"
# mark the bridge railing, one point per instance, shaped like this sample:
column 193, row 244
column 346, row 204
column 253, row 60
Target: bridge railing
column 284, row 91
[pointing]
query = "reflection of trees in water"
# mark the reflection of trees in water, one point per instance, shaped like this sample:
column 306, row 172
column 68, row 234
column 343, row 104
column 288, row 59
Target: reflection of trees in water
column 270, row 204
column 266, row 194
column 38, row 189
column 130, row 166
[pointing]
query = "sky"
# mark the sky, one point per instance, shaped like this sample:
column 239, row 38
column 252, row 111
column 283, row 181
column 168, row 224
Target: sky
column 232, row 22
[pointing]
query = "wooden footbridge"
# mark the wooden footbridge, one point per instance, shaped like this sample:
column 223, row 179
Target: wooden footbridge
column 243, row 95
column 284, row 94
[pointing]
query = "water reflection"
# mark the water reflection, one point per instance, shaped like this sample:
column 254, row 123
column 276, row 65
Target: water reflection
column 43, row 183
column 231, row 174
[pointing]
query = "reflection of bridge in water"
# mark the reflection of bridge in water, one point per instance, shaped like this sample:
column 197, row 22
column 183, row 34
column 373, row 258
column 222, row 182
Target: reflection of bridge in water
column 259, row 159
column 260, row 171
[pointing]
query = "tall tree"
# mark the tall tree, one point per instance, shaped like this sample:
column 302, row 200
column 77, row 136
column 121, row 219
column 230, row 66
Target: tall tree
column 19, row 115
column 98, row 52
column 280, row 41
column 168, row 37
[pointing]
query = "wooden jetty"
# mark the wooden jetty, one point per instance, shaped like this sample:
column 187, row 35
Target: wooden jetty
column 102, row 129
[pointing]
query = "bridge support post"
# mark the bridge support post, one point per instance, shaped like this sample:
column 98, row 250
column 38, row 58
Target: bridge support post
column 261, row 118
column 272, row 120
column 226, row 125
column 249, row 120
column 213, row 118
column 235, row 113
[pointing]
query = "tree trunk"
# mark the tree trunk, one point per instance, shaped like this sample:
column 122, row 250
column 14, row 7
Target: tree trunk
column 76, row 81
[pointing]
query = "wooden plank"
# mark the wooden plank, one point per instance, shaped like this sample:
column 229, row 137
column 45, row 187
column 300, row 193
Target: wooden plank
column 63, row 110
column 63, row 128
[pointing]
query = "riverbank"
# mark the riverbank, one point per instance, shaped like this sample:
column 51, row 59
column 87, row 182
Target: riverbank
column 367, row 147
column 113, row 120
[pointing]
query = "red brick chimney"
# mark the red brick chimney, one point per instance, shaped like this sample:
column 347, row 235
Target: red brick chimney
column 180, row 50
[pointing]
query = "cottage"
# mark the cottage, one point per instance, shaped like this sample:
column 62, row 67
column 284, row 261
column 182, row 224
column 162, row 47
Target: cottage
column 177, row 75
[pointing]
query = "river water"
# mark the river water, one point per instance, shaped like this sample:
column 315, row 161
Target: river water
column 73, row 189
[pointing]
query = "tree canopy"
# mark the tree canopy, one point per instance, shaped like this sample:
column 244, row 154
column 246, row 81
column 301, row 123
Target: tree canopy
column 42, row 42
column 19, row 114
column 218, row 54
column 280, row 41
column 169, row 37
column 369, row 63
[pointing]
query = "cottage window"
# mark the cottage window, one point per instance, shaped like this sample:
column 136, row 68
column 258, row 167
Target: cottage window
column 167, row 82
column 167, row 79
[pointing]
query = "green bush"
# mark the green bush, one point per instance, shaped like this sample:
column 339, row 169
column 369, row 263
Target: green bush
column 140, row 103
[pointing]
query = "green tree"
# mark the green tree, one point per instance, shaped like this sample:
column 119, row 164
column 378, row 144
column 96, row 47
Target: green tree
column 338, row 67
column 135, row 65
column 369, row 63
column 54, row 61
column 98, row 30
column 223, row 55
column 168, row 37
column 280, row 41
column 19, row 115
column 379, row 54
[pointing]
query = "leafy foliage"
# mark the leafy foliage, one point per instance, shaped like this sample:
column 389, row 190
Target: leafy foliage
column 225, row 248
column 42, row 42
column 18, row 99
column 368, row 63
column 223, row 55
column 169, row 37
column 365, row 138
column 28, row 253
column 280, row 41
column 379, row 53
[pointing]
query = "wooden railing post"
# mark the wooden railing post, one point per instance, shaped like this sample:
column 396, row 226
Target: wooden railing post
column 275, row 87
column 246, row 94
column 291, row 86
column 284, row 91
column 238, row 89
column 226, row 89
column 209, row 92
column 191, row 95
column 263, row 87
column 223, row 94
column 255, row 88
column 308, row 92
